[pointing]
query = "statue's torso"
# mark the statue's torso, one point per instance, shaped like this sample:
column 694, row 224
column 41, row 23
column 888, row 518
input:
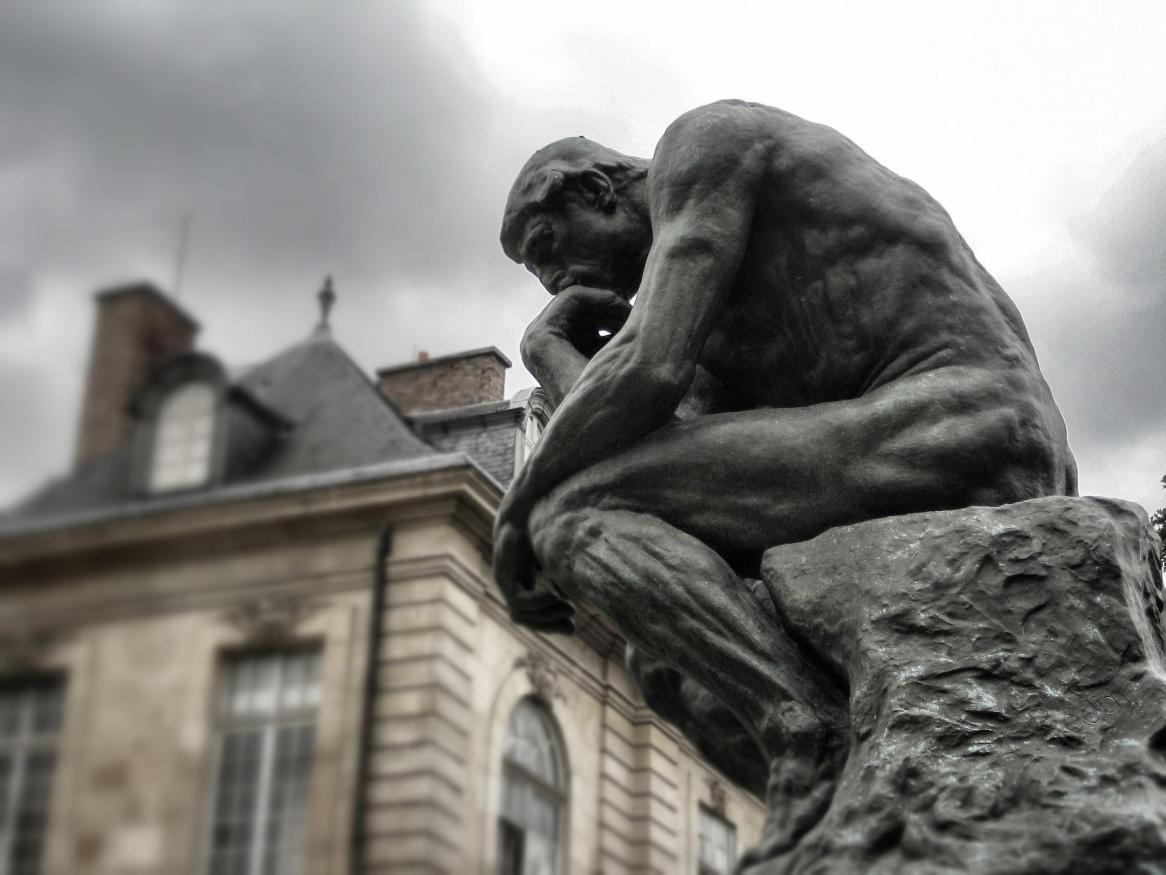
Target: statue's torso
column 852, row 277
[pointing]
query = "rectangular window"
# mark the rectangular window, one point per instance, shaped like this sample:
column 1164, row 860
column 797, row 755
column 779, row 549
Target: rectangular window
column 718, row 841
column 266, row 734
column 30, row 719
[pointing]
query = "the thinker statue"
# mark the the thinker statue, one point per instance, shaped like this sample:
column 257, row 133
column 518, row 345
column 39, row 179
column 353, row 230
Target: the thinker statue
column 811, row 344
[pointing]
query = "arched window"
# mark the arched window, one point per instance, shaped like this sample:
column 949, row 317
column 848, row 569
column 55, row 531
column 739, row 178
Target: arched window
column 183, row 438
column 533, row 795
column 529, row 436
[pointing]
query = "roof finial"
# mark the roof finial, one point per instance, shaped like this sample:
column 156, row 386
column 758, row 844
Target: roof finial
column 327, row 298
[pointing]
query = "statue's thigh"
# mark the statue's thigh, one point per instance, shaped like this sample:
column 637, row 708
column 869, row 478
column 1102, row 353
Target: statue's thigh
column 710, row 477
column 745, row 481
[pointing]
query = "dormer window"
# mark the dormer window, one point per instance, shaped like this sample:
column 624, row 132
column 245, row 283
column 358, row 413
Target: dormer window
column 184, row 438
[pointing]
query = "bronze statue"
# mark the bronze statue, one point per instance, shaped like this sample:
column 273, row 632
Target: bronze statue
column 811, row 344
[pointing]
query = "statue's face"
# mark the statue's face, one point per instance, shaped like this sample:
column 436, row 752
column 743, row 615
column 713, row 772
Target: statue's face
column 579, row 243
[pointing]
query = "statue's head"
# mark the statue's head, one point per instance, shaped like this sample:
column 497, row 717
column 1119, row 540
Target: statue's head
column 578, row 215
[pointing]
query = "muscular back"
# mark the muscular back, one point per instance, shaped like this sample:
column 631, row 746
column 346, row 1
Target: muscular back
column 852, row 277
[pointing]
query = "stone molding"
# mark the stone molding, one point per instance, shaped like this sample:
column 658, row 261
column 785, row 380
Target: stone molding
column 717, row 795
column 24, row 650
column 271, row 618
column 543, row 674
column 459, row 492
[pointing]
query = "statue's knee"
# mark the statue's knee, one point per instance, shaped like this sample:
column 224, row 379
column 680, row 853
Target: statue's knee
column 1030, row 456
column 553, row 527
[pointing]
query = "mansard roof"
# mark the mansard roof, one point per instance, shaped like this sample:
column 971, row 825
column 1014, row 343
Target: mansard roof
column 320, row 411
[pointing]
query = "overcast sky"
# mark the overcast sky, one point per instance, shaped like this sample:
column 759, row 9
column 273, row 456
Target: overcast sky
column 377, row 141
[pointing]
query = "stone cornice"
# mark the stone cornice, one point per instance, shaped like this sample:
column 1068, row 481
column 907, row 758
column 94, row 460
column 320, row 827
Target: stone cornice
column 455, row 489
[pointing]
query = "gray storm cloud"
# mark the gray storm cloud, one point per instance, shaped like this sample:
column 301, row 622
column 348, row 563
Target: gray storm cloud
column 332, row 139
column 1101, row 324
column 1129, row 229
column 1117, row 350
column 285, row 136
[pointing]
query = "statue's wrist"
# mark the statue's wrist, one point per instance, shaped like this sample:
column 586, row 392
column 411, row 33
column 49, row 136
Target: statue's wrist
column 538, row 346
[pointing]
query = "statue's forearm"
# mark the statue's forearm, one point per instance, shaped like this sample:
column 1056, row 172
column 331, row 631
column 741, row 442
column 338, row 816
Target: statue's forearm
column 575, row 325
column 555, row 363
column 614, row 401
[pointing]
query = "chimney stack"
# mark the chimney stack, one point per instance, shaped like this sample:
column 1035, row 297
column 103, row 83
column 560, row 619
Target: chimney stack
column 137, row 328
column 442, row 382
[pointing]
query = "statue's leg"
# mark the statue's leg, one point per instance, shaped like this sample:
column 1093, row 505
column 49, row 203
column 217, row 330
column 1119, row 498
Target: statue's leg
column 674, row 596
column 704, row 719
column 745, row 481
column 640, row 536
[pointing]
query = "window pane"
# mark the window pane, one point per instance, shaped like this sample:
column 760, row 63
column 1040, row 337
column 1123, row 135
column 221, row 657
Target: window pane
column 10, row 703
column 289, row 786
column 510, row 850
column 532, row 799
column 32, row 813
column 30, row 715
column 540, row 855
column 6, row 778
column 170, row 431
column 299, row 687
column 238, row 688
column 542, row 814
column 46, row 709
column 183, row 437
column 531, row 744
column 265, row 764
column 265, row 687
column 514, row 799
column 717, row 844
column 233, row 828
column 201, row 427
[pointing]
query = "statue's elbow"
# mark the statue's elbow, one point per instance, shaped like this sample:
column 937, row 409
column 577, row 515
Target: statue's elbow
column 660, row 387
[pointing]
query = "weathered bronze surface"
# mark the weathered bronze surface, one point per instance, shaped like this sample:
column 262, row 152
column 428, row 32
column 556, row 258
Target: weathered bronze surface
column 812, row 345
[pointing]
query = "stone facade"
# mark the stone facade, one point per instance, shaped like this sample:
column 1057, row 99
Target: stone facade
column 360, row 537
column 138, row 613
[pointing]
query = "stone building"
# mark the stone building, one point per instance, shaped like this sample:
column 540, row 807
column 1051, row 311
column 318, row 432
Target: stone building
column 254, row 630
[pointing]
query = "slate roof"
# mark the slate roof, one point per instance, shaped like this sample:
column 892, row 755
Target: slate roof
column 339, row 419
column 334, row 419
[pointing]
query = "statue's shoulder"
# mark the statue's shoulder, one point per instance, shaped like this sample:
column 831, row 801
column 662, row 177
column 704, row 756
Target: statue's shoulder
column 725, row 120
column 727, row 130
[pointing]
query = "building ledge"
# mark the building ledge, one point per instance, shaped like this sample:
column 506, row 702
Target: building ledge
column 18, row 527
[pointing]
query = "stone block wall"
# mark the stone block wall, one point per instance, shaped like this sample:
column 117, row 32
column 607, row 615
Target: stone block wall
column 453, row 669
column 440, row 383
column 141, row 635
column 142, row 651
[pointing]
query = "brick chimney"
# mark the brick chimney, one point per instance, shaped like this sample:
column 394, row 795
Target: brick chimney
column 446, row 381
column 137, row 328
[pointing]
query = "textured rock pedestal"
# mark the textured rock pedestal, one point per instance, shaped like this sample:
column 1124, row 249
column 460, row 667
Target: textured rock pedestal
column 1007, row 690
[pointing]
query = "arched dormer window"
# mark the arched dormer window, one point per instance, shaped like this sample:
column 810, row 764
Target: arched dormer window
column 184, row 433
column 534, row 795
column 530, row 432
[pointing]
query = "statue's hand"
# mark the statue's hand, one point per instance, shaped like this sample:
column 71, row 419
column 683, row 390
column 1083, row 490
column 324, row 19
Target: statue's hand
column 577, row 315
column 514, row 569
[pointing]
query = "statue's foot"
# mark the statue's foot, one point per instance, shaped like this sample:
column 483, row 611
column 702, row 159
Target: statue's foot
column 802, row 780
